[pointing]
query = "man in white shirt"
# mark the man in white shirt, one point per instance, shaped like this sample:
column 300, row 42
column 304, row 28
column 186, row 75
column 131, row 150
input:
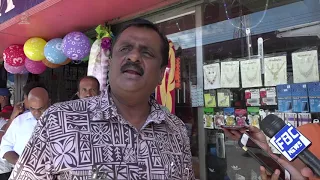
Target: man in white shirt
column 21, row 129
column 5, row 167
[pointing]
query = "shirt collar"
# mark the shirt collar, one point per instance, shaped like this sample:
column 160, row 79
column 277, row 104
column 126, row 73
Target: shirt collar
column 157, row 113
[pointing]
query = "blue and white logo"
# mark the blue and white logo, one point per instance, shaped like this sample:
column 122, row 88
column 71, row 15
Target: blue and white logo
column 290, row 142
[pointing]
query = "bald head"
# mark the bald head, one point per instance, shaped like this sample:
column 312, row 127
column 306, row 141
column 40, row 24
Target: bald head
column 38, row 101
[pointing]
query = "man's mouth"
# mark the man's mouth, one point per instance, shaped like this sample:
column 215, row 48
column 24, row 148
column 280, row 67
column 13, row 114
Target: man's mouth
column 130, row 71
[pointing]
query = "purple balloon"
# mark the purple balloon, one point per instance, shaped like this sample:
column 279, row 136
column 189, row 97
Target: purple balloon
column 15, row 69
column 76, row 45
column 35, row 67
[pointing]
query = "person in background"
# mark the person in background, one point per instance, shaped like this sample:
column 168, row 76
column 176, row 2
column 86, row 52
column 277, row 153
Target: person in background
column 5, row 166
column 122, row 133
column 21, row 107
column 20, row 130
column 297, row 169
column 88, row 86
column 6, row 108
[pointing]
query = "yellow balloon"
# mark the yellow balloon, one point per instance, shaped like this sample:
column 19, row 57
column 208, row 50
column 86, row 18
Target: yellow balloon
column 34, row 48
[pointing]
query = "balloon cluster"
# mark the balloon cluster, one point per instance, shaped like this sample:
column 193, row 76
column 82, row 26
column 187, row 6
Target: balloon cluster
column 36, row 54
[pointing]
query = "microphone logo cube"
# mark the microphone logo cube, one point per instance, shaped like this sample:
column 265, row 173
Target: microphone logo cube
column 290, row 142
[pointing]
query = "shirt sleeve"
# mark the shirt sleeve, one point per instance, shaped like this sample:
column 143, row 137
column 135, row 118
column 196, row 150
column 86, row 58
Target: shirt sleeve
column 9, row 138
column 35, row 161
column 188, row 172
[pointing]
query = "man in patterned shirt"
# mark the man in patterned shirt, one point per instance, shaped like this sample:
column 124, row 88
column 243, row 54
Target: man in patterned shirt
column 120, row 134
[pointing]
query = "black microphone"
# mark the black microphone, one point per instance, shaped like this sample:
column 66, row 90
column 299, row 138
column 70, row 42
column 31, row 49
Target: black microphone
column 289, row 141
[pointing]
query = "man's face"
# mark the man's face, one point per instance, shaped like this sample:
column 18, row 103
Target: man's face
column 37, row 107
column 136, row 61
column 88, row 88
column 2, row 99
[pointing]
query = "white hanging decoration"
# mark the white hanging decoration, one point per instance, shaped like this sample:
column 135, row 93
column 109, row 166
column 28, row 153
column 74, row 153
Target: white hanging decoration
column 98, row 63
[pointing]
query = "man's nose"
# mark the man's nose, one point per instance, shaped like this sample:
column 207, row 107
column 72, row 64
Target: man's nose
column 134, row 56
column 37, row 113
column 89, row 94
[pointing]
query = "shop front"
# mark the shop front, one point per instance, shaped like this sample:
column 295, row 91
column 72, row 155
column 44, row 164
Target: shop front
column 237, row 62
column 231, row 63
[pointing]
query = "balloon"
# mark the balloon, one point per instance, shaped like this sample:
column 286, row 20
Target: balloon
column 34, row 48
column 53, row 51
column 49, row 64
column 24, row 71
column 35, row 67
column 15, row 69
column 76, row 45
column 87, row 57
column 14, row 55
column 66, row 62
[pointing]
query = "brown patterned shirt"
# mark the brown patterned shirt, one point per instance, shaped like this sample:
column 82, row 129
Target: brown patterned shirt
column 88, row 139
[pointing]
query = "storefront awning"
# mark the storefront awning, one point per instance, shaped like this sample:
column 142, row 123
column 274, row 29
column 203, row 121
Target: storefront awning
column 55, row 18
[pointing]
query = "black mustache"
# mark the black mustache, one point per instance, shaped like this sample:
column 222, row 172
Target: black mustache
column 132, row 65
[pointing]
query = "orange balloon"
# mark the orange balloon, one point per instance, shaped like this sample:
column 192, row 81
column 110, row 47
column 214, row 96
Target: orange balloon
column 50, row 65
column 66, row 62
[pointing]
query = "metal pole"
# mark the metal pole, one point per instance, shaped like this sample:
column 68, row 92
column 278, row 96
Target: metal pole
column 199, row 57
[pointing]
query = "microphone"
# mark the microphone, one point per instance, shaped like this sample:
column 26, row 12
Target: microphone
column 289, row 141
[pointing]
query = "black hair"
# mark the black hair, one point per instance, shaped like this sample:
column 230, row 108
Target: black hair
column 31, row 85
column 88, row 77
column 147, row 24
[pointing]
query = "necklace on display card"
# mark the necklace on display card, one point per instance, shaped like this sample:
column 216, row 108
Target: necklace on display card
column 251, row 73
column 230, row 74
column 275, row 69
column 211, row 75
column 305, row 66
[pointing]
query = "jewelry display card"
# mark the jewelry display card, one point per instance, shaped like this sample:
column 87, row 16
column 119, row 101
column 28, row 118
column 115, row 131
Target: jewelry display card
column 284, row 93
column 196, row 96
column 304, row 118
column 211, row 74
column 253, row 116
column 252, row 97
column 223, row 98
column 305, row 66
column 314, row 96
column 241, row 117
column 268, row 96
column 251, row 73
column 208, row 118
column 230, row 74
column 229, row 116
column 210, row 99
column 300, row 97
column 292, row 119
column 218, row 120
column 275, row 69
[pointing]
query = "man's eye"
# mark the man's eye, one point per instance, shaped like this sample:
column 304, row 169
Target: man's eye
column 146, row 53
column 124, row 49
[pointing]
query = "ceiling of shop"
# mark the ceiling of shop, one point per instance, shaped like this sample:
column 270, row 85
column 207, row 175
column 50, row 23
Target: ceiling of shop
column 55, row 18
column 258, row 5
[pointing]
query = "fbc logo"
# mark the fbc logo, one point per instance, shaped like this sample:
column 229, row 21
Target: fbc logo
column 290, row 142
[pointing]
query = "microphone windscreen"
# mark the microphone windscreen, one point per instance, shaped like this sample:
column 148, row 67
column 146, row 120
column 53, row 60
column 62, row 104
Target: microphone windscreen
column 271, row 125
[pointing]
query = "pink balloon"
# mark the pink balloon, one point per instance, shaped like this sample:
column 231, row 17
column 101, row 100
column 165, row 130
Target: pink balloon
column 15, row 69
column 14, row 55
column 35, row 67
